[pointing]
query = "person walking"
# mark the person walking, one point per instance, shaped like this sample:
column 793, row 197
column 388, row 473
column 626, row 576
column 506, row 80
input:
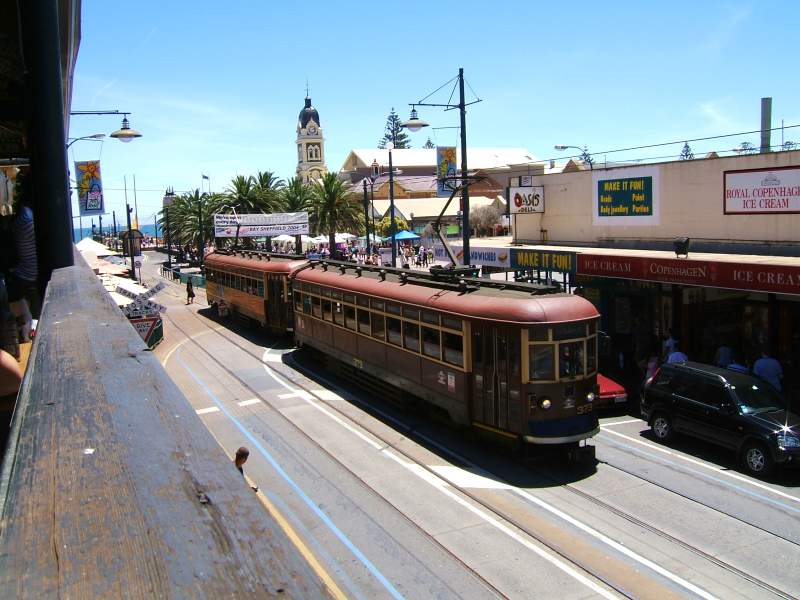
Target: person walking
column 189, row 291
column 723, row 356
column 242, row 454
column 769, row 369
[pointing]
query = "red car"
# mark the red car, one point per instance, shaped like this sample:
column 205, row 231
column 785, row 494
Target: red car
column 611, row 392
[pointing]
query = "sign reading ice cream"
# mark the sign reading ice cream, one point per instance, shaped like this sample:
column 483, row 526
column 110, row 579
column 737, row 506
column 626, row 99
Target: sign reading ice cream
column 762, row 191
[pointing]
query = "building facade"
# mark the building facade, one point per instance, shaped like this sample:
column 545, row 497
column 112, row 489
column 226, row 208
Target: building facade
column 310, row 145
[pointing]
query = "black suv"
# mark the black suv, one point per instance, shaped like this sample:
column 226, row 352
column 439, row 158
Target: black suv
column 724, row 407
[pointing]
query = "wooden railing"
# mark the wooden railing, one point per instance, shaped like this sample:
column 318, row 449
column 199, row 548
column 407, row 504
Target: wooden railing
column 111, row 486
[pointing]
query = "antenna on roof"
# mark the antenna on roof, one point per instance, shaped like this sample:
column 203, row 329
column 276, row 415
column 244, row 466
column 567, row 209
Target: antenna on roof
column 307, row 88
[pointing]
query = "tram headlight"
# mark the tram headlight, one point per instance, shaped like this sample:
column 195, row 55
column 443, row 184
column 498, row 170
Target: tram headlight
column 590, row 397
column 545, row 403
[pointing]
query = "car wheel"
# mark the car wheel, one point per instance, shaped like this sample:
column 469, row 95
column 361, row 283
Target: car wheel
column 662, row 427
column 756, row 459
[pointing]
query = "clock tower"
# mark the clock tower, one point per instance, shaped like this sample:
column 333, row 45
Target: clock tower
column 310, row 145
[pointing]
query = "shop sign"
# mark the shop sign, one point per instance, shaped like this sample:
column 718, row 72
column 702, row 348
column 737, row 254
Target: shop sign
column 488, row 257
column 525, row 200
column 630, row 198
column 762, row 191
column 544, row 260
column 782, row 279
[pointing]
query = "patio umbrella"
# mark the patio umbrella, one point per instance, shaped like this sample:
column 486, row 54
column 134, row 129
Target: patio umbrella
column 283, row 238
column 405, row 235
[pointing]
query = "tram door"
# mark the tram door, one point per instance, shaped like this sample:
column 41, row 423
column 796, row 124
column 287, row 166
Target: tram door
column 496, row 376
column 275, row 301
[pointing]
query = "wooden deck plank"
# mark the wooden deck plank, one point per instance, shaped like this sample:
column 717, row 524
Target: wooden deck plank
column 112, row 486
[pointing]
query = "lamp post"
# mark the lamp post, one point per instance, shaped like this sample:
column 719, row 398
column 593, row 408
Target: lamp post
column 366, row 213
column 123, row 134
column 414, row 124
column 585, row 156
column 94, row 136
column 392, row 222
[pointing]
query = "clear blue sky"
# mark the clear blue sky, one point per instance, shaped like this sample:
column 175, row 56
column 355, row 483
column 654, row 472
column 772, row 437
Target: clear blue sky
column 216, row 88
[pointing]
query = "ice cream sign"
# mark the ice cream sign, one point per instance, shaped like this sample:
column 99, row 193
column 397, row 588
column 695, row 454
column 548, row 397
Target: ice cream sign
column 762, row 191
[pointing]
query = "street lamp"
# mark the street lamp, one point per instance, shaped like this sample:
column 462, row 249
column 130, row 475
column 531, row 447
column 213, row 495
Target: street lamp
column 585, row 156
column 124, row 133
column 414, row 123
column 95, row 136
column 392, row 222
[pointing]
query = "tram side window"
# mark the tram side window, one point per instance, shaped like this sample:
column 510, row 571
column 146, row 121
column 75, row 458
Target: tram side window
column 327, row 310
column 378, row 326
column 298, row 301
column 350, row 317
column 451, row 323
column 542, row 362
column 393, row 331
column 338, row 313
column 363, row 321
column 453, row 348
column 591, row 354
column 316, row 306
column 570, row 359
column 261, row 288
column 430, row 342
column 411, row 336
column 307, row 304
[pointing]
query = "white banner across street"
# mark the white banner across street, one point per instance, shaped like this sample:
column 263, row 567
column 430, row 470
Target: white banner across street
column 257, row 225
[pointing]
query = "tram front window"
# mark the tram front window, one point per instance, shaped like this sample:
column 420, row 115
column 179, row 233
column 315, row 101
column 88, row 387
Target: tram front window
column 542, row 362
column 570, row 360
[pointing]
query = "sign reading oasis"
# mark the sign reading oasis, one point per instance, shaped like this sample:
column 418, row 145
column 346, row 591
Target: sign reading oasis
column 762, row 191
column 629, row 198
column 526, row 199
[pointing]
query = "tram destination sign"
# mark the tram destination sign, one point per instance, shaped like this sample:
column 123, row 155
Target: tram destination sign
column 629, row 198
column 258, row 225
column 762, row 191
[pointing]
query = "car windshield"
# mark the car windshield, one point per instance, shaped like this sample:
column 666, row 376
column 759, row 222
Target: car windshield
column 757, row 397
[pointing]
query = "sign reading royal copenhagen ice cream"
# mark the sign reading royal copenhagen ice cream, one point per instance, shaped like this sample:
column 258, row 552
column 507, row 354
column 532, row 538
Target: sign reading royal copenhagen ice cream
column 762, row 191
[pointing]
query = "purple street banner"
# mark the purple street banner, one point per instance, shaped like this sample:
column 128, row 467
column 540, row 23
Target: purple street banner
column 90, row 188
column 445, row 167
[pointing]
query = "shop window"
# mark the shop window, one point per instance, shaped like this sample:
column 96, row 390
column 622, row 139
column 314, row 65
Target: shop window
column 451, row 323
column 411, row 336
column 338, row 313
column 542, row 362
column 430, row 342
column 453, row 348
column 316, row 307
column 350, row 317
column 393, row 331
column 570, row 360
column 363, row 321
column 378, row 326
column 327, row 310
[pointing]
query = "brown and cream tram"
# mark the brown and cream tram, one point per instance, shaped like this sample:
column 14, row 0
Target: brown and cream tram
column 514, row 359
column 255, row 285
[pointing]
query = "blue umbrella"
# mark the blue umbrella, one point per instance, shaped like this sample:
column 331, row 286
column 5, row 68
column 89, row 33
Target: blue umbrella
column 406, row 235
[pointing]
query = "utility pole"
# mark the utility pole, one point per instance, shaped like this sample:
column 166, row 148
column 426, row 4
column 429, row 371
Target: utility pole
column 116, row 239
column 166, row 238
column 200, row 224
column 392, row 222
column 155, row 228
column 464, row 172
column 130, row 242
column 366, row 215
column 101, row 226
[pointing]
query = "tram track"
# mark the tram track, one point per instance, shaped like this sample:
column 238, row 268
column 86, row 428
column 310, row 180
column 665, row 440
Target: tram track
column 410, row 432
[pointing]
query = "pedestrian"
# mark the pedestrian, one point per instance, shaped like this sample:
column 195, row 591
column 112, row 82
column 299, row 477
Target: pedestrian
column 769, row 369
column 189, row 291
column 676, row 356
column 670, row 344
column 242, row 454
column 652, row 366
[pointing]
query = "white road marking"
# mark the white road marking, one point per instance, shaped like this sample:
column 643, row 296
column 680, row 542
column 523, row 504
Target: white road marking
column 298, row 394
column 267, row 357
column 183, row 341
column 606, row 424
column 205, row 411
column 250, row 402
column 467, row 479
column 698, row 463
column 326, row 395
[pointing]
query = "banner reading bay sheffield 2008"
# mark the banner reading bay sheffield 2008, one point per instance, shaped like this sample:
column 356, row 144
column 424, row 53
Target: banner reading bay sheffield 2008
column 295, row 223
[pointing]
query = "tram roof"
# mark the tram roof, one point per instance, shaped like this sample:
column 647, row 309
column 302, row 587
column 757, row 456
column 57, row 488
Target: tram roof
column 257, row 261
column 468, row 297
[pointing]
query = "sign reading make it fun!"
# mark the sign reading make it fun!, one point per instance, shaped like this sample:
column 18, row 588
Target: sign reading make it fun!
column 630, row 197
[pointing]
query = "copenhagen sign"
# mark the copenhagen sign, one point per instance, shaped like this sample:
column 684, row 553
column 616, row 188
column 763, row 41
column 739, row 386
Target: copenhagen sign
column 762, row 191
column 630, row 198
column 258, row 225
column 526, row 200
column 782, row 279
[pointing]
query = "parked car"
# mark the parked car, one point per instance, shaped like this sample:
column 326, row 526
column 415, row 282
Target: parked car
column 611, row 392
column 727, row 408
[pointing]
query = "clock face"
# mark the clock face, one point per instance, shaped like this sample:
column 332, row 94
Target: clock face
column 312, row 130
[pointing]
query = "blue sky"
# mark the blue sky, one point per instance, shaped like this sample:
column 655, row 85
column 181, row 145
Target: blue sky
column 215, row 88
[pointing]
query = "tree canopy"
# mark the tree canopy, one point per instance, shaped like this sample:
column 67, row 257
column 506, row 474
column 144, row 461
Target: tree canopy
column 394, row 133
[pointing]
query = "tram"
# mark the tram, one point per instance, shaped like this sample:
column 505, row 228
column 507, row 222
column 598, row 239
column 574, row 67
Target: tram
column 515, row 360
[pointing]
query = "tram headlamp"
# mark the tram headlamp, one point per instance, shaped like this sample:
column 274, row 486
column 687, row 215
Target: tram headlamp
column 545, row 403
column 590, row 397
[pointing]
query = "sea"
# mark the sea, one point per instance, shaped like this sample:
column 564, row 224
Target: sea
column 79, row 234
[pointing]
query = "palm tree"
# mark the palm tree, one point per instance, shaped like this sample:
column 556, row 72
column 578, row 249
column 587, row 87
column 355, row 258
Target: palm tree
column 334, row 208
column 296, row 196
column 185, row 215
column 243, row 195
column 268, row 189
